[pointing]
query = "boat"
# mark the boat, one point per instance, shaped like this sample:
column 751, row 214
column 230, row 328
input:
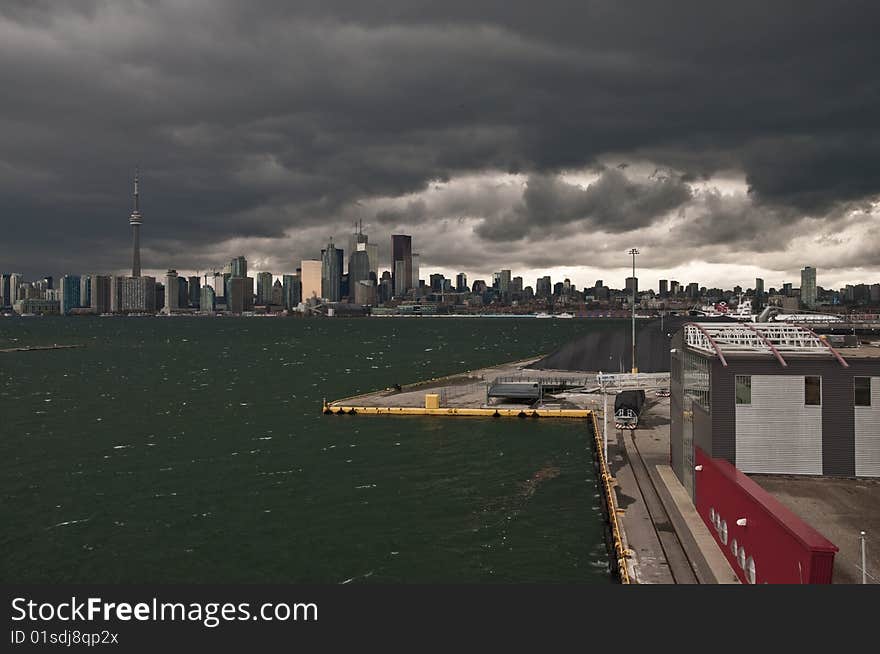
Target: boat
column 565, row 314
column 543, row 314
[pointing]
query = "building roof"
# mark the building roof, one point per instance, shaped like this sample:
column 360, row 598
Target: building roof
column 773, row 339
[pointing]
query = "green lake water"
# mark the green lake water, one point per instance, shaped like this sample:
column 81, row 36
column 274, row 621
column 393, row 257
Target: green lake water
column 194, row 450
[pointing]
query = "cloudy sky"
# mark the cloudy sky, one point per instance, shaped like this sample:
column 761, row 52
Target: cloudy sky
column 726, row 140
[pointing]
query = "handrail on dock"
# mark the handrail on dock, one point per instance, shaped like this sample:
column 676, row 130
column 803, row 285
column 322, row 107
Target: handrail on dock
column 619, row 549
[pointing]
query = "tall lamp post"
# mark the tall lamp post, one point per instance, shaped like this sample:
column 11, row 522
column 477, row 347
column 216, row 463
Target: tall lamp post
column 635, row 368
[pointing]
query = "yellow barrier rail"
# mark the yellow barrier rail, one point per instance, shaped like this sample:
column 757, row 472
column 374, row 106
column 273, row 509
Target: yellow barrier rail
column 456, row 411
column 619, row 549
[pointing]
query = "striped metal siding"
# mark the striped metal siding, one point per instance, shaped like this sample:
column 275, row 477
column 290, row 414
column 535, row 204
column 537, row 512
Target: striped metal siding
column 777, row 433
column 867, row 437
column 838, row 437
column 675, row 409
column 723, row 416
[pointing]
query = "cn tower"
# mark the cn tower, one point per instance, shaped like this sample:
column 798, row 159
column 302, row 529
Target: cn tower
column 135, row 222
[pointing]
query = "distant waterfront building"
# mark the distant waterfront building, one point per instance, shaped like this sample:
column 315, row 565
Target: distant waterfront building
column 70, row 293
column 238, row 267
column 372, row 250
column 207, row 299
column 461, row 283
column 358, row 266
column 37, row 306
column 311, row 278
column 365, row 292
column 135, row 220
column 414, row 279
column 356, row 242
column 4, row 291
column 172, row 295
column 182, row 293
column 241, row 294
column 138, row 294
column 632, row 286
column 808, row 287
column 100, row 294
column 331, row 273
column 291, row 291
column 264, row 288
column 543, row 287
column 195, row 285
column 277, row 293
column 14, row 286
column 85, row 290
column 401, row 251
column 759, row 294
column 664, row 287
column 218, row 283
column 116, row 293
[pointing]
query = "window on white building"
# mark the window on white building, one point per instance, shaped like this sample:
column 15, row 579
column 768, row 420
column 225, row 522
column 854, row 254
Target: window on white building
column 862, row 391
column 743, row 389
column 813, row 390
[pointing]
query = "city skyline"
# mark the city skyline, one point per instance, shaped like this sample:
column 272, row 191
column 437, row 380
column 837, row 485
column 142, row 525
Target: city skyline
column 539, row 145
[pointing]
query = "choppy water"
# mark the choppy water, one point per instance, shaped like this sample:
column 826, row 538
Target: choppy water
column 194, row 450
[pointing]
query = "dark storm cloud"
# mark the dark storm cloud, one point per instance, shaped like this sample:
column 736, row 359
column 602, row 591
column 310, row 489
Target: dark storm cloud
column 252, row 119
column 613, row 203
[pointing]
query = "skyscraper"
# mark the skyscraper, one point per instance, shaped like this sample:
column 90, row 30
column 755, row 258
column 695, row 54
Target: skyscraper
column 461, row 284
column 238, row 267
column 414, row 280
column 358, row 266
column 291, row 291
column 311, row 278
column 172, row 295
column 100, row 294
column 357, row 241
column 195, row 285
column 85, row 291
column 135, row 220
column 759, row 293
column 70, row 290
column 241, row 294
column 401, row 250
column 4, row 290
column 808, row 287
column 664, row 287
column 264, row 288
column 331, row 273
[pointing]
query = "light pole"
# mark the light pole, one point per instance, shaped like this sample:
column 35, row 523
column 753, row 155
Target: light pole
column 635, row 368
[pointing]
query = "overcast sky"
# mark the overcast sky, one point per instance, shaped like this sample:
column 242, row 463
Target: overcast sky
column 724, row 140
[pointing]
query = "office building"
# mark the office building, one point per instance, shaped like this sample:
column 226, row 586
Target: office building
column 195, row 285
column 331, row 272
column 172, row 294
column 357, row 241
column 138, row 294
column 207, row 299
column 291, row 291
column 116, row 293
column 664, row 288
column 543, row 287
column 15, row 281
column 100, row 294
column 264, row 288
column 808, row 287
column 759, row 294
column 401, row 251
column 461, row 283
column 311, row 278
column 414, row 281
column 373, row 253
column 632, row 286
column 70, row 293
column 238, row 267
column 358, row 266
column 277, row 294
column 85, row 290
column 365, row 292
column 241, row 294
column 5, row 299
